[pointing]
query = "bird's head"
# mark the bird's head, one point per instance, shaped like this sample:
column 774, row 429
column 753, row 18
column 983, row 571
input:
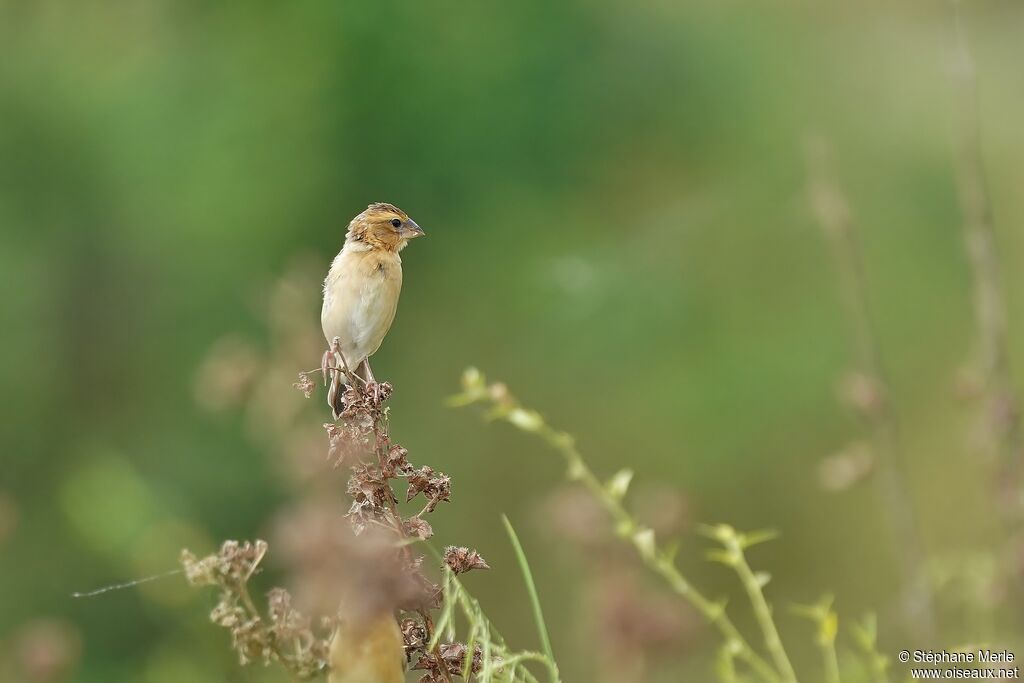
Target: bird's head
column 383, row 226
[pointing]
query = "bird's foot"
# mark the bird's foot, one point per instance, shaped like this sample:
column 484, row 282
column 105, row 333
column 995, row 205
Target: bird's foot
column 377, row 392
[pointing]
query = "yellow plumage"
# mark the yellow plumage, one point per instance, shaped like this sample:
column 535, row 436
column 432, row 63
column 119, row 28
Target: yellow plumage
column 362, row 287
column 360, row 300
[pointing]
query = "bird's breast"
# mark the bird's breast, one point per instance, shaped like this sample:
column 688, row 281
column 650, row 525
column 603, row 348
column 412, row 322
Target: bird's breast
column 360, row 299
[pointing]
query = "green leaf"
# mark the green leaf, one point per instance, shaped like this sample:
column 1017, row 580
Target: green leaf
column 619, row 484
column 755, row 537
column 531, row 588
column 576, row 470
column 644, row 541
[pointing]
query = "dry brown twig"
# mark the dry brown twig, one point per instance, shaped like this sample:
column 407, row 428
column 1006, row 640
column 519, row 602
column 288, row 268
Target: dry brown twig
column 377, row 536
column 866, row 388
column 1002, row 410
column 357, row 551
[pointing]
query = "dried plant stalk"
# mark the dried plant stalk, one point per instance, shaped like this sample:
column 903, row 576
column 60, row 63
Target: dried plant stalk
column 867, row 388
column 992, row 355
column 368, row 566
column 282, row 635
column 362, row 571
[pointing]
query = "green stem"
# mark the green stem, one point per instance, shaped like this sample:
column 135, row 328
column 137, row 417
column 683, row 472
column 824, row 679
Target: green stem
column 762, row 611
column 828, row 652
column 656, row 559
column 531, row 588
column 658, row 562
column 473, row 612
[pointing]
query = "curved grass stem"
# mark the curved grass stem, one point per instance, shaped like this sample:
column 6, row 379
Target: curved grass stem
column 531, row 588
column 660, row 560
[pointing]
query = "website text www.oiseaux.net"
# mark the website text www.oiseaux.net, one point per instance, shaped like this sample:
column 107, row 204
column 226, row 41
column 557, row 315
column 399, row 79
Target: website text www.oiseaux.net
column 982, row 665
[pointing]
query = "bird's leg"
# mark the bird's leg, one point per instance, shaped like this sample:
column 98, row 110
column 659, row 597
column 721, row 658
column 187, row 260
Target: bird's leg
column 367, row 371
column 350, row 374
column 370, row 380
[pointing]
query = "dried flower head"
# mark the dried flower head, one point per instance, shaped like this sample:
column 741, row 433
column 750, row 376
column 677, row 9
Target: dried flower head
column 414, row 635
column 283, row 635
column 305, row 384
column 436, row 486
column 462, row 560
column 452, row 662
column 235, row 562
column 417, row 527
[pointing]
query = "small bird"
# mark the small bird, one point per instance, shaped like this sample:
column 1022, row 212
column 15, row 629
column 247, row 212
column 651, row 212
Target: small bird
column 361, row 291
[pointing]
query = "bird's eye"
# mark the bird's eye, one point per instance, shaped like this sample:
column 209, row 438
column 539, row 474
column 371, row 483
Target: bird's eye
column 396, row 222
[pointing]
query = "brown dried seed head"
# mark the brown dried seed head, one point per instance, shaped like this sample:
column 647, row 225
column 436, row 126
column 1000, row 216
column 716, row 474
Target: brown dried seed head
column 305, row 385
column 453, row 656
column 414, row 635
column 398, row 461
column 420, row 528
column 461, row 560
column 436, row 486
column 199, row 572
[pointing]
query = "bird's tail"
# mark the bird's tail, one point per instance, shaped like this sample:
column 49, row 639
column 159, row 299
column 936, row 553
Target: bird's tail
column 336, row 393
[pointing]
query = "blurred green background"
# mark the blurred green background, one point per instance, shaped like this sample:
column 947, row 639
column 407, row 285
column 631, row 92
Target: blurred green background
column 614, row 196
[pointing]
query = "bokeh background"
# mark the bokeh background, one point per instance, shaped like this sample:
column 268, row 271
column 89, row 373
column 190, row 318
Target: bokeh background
column 618, row 226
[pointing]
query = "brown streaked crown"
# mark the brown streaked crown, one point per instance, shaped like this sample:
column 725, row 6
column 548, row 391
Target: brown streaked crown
column 385, row 208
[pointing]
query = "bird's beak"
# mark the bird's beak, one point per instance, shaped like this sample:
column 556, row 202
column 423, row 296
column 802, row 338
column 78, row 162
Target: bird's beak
column 410, row 230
